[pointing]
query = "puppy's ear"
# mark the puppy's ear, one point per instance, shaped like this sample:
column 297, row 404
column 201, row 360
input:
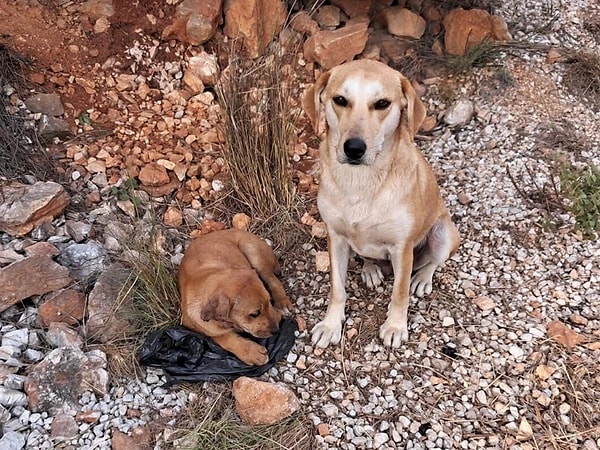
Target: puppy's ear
column 311, row 100
column 218, row 308
column 415, row 109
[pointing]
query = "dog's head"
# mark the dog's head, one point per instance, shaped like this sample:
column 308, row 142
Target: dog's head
column 245, row 305
column 363, row 104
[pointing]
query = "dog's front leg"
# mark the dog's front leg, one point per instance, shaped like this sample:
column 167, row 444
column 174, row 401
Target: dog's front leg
column 329, row 330
column 395, row 329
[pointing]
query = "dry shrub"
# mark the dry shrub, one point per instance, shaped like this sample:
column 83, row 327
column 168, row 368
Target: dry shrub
column 211, row 423
column 582, row 77
column 259, row 128
column 20, row 151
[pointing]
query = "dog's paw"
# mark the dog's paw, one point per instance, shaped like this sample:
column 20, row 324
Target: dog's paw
column 421, row 284
column 393, row 334
column 325, row 333
column 371, row 274
column 284, row 305
column 254, row 355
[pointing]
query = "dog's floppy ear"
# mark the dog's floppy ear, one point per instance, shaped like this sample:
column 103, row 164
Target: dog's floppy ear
column 217, row 307
column 311, row 100
column 415, row 109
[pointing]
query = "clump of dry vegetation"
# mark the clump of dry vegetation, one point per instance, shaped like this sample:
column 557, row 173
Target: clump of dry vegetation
column 20, row 150
column 582, row 77
column 211, row 423
column 259, row 128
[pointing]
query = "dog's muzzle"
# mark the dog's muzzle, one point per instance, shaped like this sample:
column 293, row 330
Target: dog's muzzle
column 354, row 149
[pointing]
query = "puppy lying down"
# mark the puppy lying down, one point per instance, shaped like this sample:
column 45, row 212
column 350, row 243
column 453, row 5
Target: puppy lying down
column 221, row 281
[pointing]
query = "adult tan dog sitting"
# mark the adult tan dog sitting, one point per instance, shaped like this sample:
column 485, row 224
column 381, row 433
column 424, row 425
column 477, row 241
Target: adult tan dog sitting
column 222, row 292
column 378, row 195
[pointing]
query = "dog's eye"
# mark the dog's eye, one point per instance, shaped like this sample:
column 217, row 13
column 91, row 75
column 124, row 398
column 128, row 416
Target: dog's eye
column 340, row 101
column 255, row 314
column 382, row 104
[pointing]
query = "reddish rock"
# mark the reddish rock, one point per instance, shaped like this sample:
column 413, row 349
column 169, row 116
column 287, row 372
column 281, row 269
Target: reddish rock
column 153, row 175
column 66, row 306
column 353, row 8
column 42, row 249
column 262, row 403
column 60, row 334
column 331, row 48
column 390, row 47
column 35, row 275
column 97, row 9
column 402, row 22
column 139, row 439
column 195, row 21
column 303, row 23
column 202, row 70
column 255, row 22
column 23, row 207
column 173, row 217
column 328, row 16
column 64, row 426
column 466, row 29
column 241, row 221
column 166, row 189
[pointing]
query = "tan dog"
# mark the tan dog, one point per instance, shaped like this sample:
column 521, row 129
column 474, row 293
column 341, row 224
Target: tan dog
column 222, row 292
column 378, row 195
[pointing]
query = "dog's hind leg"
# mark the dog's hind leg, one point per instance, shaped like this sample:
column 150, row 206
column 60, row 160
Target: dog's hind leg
column 263, row 260
column 371, row 274
column 441, row 243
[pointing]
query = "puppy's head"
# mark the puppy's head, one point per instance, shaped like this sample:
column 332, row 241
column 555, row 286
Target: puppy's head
column 364, row 104
column 245, row 304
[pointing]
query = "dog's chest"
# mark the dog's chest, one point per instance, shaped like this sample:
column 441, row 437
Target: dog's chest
column 372, row 226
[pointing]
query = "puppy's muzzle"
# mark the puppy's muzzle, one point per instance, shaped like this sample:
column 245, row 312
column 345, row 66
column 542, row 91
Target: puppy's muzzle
column 354, row 149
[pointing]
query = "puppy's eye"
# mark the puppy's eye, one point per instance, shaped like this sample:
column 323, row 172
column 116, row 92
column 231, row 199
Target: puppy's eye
column 340, row 101
column 382, row 104
column 255, row 314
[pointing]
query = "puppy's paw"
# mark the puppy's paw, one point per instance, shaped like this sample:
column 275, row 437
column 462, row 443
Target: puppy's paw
column 421, row 284
column 325, row 333
column 371, row 274
column 284, row 305
column 393, row 333
column 254, row 354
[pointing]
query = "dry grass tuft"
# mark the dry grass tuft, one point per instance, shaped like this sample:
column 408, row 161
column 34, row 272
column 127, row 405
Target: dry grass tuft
column 212, row 424
column 20, row 150
column 259, row 128
column 582, row 77
column 149, row 297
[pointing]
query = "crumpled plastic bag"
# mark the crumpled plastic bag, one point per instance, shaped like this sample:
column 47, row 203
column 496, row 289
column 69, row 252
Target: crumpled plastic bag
column 187, row 356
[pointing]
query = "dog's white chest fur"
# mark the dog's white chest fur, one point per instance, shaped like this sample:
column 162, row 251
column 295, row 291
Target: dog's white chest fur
column 364, row 218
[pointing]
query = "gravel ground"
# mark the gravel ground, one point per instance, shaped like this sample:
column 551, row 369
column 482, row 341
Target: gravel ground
column 479, row 370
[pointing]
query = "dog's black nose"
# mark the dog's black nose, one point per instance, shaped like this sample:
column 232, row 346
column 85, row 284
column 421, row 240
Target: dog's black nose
column 354, row 149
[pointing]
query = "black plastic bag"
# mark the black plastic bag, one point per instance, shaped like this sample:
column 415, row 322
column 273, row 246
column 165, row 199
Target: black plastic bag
column 187, row 356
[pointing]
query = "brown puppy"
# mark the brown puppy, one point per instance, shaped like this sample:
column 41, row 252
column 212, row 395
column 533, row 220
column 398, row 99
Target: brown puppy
column 222, row 292
column 378, row 195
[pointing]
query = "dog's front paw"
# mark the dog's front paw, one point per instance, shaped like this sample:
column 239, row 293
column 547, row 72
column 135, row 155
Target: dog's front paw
column 371, row 274
column 393, row 333
column 254, row 354
column 284, row 305
column 325, row 333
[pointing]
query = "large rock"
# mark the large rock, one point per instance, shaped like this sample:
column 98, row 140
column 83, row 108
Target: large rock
column 23, row 207
column 35, row 275
column 331, row 48
column 56, row 383
column 262, row 403
column 202, row 70
column 466, row 29
column 195, row 21
column 255, row 22
column 105, row 319
column 402, row 22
